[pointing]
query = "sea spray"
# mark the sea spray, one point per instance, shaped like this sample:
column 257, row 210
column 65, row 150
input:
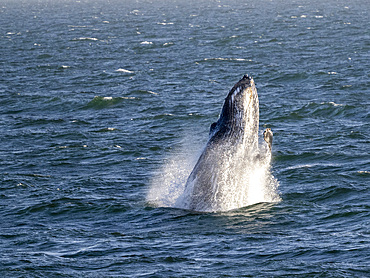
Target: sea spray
column 252, row 183
column 169, row 181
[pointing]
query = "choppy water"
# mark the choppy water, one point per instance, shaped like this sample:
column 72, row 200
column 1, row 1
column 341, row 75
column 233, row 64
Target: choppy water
column 99, row 99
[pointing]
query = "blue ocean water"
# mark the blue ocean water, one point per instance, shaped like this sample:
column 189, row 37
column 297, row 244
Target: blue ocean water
column 102, row 99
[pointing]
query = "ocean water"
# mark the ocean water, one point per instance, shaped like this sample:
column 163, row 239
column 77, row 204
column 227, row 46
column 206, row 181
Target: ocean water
column 104, row 101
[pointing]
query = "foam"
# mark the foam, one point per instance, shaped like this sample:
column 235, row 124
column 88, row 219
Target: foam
column 124, row 70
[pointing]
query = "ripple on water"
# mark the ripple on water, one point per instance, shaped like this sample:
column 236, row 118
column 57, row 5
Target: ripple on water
column 97, row 100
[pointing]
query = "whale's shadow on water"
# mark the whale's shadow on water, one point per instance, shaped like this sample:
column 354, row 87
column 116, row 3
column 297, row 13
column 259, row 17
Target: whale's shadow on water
column 233, row 169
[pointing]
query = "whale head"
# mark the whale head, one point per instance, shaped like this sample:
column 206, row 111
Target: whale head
column 239, row 117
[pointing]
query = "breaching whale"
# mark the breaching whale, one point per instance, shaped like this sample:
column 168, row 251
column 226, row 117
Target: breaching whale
column 226, row 168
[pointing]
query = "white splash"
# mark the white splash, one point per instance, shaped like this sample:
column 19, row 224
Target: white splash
column 165, row 23
column 85, row 39
column 253, row 183
column 226, row 59
column 124, row 70
column 333, row 103
column 169, row 182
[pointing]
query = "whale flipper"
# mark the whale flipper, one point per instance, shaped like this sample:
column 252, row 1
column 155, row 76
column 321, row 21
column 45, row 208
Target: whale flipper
column 268, row 136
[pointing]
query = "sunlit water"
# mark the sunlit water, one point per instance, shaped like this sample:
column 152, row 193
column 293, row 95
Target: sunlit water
column 103, row 102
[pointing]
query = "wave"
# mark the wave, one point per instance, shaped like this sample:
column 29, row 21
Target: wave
column 326, row 110
column 226, row 59
column 165, row 23
column 124, row 70
column 73, row 205
column 85, row 39
column 320, row 110
column 100, row 102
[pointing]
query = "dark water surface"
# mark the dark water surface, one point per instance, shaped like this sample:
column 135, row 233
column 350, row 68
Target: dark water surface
column 97, row 96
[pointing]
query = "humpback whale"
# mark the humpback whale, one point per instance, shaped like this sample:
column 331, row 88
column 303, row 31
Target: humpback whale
column 224, row 172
